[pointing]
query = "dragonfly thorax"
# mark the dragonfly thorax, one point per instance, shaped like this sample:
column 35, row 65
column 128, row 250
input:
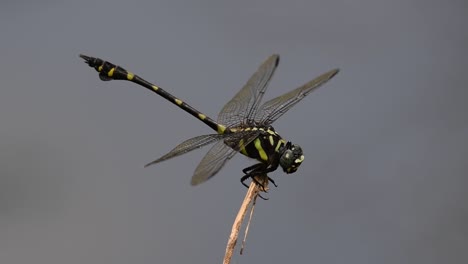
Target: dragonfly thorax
column 291, row 157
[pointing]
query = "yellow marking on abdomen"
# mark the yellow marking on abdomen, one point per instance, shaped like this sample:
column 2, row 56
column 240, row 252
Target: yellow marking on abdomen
column 130, row 76
column 202, row 116
column 155, row 87
column 178, row 101
column 99, row 68
column 221, row 129
column 111, row 72
column 261, row 151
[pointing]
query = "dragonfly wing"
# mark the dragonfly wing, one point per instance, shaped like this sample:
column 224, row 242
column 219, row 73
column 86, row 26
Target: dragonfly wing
column 220, row 153
column 189, row 145
column 275, row 108
column 213, row 161
column 244, row 104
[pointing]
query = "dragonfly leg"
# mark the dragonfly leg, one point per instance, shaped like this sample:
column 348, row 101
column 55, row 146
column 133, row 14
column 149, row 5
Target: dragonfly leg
column 272, row 181
column 252, row 168
column 252, row 171
column 258, row 169
column 263, row 198
column 243, row 179
column 248, row 175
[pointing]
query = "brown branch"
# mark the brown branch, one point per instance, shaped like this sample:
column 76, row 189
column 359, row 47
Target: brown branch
column 252, row 193
column 248, row 223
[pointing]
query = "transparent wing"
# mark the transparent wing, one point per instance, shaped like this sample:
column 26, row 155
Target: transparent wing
column 189, row 145
column 213, row 161
column 219, row 154
column 244, row 104
column 273, row 109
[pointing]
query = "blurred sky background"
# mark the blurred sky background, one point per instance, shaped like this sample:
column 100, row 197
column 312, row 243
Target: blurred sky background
column 385, row 174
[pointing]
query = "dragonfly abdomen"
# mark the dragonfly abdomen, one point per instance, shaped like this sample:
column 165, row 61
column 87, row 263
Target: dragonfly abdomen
column 108, row 71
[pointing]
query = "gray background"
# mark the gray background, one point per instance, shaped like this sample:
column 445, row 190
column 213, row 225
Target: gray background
column 385, row 175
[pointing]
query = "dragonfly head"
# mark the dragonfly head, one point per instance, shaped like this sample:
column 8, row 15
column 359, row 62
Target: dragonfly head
column 291, row 158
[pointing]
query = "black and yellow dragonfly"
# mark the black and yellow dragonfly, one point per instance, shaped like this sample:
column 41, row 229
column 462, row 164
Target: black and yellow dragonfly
column 243, row 125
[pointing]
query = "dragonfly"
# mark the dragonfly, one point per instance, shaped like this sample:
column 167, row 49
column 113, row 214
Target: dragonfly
column 243, row 125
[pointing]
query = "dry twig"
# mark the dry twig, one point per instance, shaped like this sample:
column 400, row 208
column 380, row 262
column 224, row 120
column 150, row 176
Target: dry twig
column 251, row 194
column 252, row 208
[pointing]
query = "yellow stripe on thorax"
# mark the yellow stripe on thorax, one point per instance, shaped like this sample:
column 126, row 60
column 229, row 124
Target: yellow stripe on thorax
column 242, row 147
column 272, row 140
column 271, row 132
column 261, row 151
column 280, row 142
